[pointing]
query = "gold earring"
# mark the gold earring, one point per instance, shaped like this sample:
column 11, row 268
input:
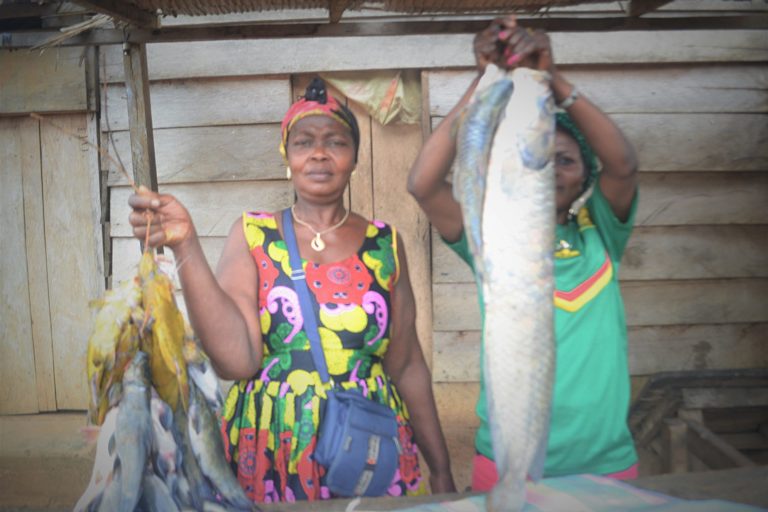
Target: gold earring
column 288, row 172
column 354, row 171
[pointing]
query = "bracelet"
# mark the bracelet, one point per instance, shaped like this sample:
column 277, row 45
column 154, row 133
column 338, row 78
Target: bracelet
column 570, row 100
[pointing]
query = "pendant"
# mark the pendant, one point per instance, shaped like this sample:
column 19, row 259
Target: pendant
column 317, row 243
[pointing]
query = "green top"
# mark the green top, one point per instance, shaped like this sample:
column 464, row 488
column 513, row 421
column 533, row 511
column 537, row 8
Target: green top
column 588, row 430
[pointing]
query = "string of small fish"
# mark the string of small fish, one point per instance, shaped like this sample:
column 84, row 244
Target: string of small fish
column 156, row 398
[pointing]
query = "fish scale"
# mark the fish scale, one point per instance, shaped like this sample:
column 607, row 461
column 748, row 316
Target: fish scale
column 475, row 137
column 511, row 234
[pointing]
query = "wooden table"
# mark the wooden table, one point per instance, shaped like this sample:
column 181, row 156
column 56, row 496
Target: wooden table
column 743, row 485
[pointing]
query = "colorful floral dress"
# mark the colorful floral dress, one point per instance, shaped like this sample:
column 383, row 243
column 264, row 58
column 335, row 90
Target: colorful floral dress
column 270, row 422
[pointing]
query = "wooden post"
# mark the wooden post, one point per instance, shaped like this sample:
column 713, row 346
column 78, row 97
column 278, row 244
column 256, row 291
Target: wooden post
column 140, row 118
column 140, row 115
column 676, row 446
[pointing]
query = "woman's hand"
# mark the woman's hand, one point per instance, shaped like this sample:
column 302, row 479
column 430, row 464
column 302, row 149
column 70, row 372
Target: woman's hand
column 531, row 49
column 168, row 220
column 508, row 45
column 489, row 45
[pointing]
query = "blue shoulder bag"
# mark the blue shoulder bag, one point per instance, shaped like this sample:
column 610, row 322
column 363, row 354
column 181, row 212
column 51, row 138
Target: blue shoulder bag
column 358, row 438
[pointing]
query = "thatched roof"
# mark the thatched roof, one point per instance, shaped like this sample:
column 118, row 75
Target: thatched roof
column 145, row 13
column 35, row 23
column 205, row 7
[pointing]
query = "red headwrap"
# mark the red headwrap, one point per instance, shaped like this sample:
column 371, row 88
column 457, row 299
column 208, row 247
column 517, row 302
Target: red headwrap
column 317, row 103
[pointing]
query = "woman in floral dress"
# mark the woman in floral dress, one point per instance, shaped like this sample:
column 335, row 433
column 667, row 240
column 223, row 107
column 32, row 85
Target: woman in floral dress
column 248, row 317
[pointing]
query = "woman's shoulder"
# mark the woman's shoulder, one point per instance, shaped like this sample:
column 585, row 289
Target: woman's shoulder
column 380, row 229
column 260, row 219
column 259, row 226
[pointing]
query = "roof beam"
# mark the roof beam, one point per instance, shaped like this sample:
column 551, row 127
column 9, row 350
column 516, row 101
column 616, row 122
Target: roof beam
column 23, row 11
column 640, row 7
column 122, row 11
column 27, row 39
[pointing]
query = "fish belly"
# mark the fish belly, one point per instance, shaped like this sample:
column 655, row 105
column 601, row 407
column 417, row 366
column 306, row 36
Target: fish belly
column 518, row 226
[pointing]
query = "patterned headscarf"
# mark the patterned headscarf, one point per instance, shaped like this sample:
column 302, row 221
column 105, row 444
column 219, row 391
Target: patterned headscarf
column 564, row 122
column 317, row 102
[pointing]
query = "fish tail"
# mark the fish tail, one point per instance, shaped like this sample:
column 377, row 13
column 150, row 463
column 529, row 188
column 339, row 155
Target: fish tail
column 506, row 496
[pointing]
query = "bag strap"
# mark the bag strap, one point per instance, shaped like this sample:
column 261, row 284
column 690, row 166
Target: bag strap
column 308, row 309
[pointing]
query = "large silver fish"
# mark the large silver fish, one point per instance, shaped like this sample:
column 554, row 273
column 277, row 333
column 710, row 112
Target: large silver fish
column 133, row 436
column 504, row 181
column 206, row 443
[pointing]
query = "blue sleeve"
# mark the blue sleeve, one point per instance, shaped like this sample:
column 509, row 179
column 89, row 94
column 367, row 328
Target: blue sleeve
column 615, row 233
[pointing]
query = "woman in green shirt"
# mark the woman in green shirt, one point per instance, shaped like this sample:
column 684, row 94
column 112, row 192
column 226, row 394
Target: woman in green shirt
column 588, row 431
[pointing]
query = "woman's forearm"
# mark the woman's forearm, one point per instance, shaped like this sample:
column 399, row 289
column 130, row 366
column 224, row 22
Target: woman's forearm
column 415, row 386
column 434, row 161
column 215, row 317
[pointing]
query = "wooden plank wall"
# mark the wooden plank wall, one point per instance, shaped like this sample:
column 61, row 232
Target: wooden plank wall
column 51, row 266
column 17, row 363
column 50, row 81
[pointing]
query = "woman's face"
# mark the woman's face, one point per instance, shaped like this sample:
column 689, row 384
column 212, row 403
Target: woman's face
column 569, row 171
column 321, row 154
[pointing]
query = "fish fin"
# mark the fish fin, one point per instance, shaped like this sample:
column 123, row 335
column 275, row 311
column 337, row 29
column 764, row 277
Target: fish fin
column 166, row 418
column 114, row 394
column 163, row 466
column 183, row 386
column 111, row 446
column 145, row 324
column 536, row 471
column 93, row 409
column 195, row 418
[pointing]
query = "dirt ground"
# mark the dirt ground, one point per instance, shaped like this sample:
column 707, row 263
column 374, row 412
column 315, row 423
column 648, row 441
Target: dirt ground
column 45, row 462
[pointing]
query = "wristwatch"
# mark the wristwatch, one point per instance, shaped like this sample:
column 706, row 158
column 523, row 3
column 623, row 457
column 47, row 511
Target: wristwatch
column 571, row 99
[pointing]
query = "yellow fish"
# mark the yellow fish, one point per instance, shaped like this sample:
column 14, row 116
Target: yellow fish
column 165, row 325
column 111, row 335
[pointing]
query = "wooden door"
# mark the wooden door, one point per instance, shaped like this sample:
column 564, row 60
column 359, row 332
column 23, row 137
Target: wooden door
column 50, row 261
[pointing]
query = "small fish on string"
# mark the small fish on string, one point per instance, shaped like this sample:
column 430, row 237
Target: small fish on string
column 156, row 448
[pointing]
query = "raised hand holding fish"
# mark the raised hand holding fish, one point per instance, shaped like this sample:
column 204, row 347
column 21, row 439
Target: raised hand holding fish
column 512, row 178
column 593, row 230
column 160, row 219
